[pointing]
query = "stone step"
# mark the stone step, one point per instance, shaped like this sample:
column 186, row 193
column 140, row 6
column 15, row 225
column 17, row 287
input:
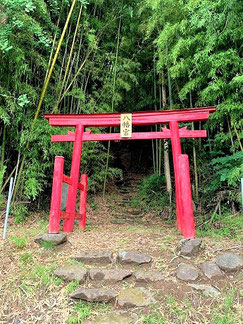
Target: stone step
column 129, row 297
column 187, row 272
column 109, row 275
column 72, row 272
column 107, row 257
column 103, row 257
column 130, row 257
column 94, row 295
column 134, row 297
column 148, row 276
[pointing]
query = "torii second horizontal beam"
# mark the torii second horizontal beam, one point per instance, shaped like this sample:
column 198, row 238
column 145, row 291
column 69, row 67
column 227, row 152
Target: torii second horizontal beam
column 165, row 133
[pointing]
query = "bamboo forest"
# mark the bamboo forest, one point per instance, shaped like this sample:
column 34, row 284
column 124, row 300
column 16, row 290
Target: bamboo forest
column 132, row 58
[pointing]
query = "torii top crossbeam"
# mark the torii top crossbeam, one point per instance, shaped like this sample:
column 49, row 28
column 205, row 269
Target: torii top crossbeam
column 138, row 118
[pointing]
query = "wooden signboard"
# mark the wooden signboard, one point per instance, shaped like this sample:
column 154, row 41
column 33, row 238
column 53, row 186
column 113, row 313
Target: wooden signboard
column 126, row 126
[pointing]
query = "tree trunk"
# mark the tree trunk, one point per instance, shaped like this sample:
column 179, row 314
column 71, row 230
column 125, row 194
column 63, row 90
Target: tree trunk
column 166, row 144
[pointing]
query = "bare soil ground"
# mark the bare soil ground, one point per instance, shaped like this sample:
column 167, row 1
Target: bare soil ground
column 29, row 293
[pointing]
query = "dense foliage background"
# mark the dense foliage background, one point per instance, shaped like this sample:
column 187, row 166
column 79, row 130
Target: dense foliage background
column 121, row 56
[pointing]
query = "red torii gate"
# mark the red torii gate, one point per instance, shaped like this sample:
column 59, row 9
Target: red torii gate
column 184, row 207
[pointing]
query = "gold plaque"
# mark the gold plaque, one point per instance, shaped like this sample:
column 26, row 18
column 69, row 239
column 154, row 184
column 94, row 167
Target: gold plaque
column 126, row 125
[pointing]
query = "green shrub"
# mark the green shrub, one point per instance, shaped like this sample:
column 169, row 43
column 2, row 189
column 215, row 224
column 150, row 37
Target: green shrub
column 228, row 171
column 152, row 194
column 20, row 212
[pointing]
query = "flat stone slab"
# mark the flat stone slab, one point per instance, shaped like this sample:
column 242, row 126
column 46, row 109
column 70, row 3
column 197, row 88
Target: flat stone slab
column 110, row 275
column 111, row 319
column 211, row 270
column 229, row 262
column 55, row 239
column 189, row 247
column 127, row 257
column 187, row 272
column 134, row 297
column 94, row 295
column 207, row 290
column 102, row 257
column 72, row 272
column 148, row 276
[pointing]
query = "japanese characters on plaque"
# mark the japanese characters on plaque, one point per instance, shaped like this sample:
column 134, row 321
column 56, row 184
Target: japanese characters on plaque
column 126, row 125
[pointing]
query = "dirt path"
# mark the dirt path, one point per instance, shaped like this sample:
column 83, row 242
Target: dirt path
column 29, row 293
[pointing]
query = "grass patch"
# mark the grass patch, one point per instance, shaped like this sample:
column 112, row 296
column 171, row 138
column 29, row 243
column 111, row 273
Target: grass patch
column 225, row 313
column 176, row 310
column 47, row 245
column 90, row 227
column 26, row 258
column 169, row 239
column 85, row 310
column 19, row 242
column 74, row 262
column 82, row 310
column 44, row 275
column 155, row 318
column 72, row 286
column 224, row 226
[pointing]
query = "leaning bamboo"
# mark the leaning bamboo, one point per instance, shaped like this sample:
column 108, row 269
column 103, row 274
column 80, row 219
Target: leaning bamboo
column 238, row 136
column 70, row 54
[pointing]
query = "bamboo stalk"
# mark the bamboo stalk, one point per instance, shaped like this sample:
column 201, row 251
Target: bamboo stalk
column 75, row 76
column 53, row 42
column 238, row 136
column 195, row 167
column 70, row 54
column 194, row 158
column 65, row 53
column 166, row 144
column 231, row 136
column 112, row 104
column 156, row 128
column 3, row 146
column 9, row 177
column 171, row 104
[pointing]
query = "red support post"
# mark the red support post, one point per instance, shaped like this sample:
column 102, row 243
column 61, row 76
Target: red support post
column 83, row 200
column 187, row 219
column 176, row 151
column 56, row 195
column 74, row 175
